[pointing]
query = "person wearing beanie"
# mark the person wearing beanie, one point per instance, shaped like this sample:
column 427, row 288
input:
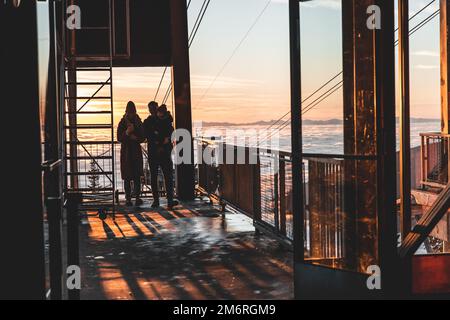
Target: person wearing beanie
column 130, row 135
column 159, row 139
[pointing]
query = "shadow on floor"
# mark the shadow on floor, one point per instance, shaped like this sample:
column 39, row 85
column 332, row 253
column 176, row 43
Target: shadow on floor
column 189, row 253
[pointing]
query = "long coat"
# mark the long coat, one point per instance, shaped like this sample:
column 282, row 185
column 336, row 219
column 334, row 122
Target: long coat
column 131, row 162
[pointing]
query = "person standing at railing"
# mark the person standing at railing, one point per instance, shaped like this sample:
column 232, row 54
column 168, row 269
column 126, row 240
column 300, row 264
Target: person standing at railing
column 150, row 134
column 130, row 134
column 158, row 128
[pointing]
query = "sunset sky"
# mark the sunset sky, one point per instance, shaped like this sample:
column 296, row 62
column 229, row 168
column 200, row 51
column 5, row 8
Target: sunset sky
column 255, row 84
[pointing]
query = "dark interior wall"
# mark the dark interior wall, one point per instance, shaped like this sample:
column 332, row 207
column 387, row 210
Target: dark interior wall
column 149, row 31
column 21, row 243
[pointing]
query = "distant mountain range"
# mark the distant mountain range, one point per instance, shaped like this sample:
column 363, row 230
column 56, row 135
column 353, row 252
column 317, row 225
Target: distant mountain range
column 328, row 122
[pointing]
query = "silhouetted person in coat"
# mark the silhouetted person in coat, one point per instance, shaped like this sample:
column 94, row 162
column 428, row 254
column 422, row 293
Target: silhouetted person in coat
column 158, row 129
column 130, row 134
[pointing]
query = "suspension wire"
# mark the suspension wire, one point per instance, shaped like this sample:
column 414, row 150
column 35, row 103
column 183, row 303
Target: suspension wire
column 200, row 19
column 412, row 31
column 420, row 11
column 167, row 95
column 165, row 69
column 423, row 23
column 396, row 42
column 236, row 49
column 334, row 89
column 191, row 39
column 307, row 98
column 310, row 106
column 160, row 83
column 323, row 97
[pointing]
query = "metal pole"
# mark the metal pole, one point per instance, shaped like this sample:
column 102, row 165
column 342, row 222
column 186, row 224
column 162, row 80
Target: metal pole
column 182, row 93
column 23, row 252
column 52, row 174
column 296, row 136
column 445, row 72
column 405, row 145
column 386, row 151
column 72, row 105
column 73, row 221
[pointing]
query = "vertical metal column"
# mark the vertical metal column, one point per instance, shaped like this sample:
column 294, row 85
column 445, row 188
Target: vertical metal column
column 386, row 149
column 72, row 105
column 53, row 170
column 405, row 144
column 22, row 236
column 445, row 75
column 445, row 71
column 182, row 92
column 348, row 75
column 369, row 130
column 73, row 221
column 296, row 136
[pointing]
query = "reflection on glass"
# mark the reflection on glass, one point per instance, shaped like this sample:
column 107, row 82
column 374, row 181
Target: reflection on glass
column 341, row 213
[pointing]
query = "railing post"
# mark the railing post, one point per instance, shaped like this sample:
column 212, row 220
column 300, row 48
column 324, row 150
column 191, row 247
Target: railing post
column 182, row 92
column 405, row 136
column 448, row 158
column 276, row 211
column 427, row 150
column 422, row 158
column 282, row 174
column 55, row 246
column 73, row 221
column 296, row 140
column 257, row 189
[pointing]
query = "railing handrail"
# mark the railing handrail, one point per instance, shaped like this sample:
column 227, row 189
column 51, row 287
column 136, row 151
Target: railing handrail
column 435, row 134
column 287, row 156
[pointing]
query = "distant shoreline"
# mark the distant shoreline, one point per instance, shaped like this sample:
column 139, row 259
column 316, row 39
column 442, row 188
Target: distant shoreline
column 305, row 122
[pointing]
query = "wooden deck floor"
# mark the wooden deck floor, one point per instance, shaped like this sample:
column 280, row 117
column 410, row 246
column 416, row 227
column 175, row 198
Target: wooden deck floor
column 189, row 253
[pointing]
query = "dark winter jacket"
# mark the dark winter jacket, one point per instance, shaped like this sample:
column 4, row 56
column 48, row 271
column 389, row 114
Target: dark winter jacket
column 159, row 133
column 131, row 162
column 150, row 132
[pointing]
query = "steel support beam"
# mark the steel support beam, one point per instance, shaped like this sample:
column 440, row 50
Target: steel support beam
column 22, row 236
column 73, row 236
column 72, row 103
column 182, row 93
column 369, row 129
column 296, row 138
column 52, row 181
column 386, row 149
column 405, row 144
column 359, row 135
column 405, row 133
column 445, row 71
column 349, row 260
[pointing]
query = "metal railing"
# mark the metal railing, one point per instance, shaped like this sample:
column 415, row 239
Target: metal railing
column 276, row 192
column 95, row 174
column 336, row 221
column 263, row 190
column 435, row 159
column 324, row 215
column 221, row 174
